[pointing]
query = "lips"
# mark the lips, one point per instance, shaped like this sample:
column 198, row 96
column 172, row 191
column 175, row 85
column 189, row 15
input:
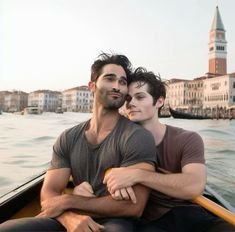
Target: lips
column 114, row 94
column 132, row 112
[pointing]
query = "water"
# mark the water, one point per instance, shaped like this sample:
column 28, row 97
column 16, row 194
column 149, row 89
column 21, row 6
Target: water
column 26, row 147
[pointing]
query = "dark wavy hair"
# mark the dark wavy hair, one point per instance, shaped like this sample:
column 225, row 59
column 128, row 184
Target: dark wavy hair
column 155, row 86
column 104, row 59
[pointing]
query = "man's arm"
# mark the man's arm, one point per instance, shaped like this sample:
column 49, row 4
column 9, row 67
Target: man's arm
column 101, row 206
column 55, row 183
column 185, row 185
column 53, row 186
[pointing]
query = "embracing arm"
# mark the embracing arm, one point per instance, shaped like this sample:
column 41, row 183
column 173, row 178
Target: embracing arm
column 104, row 206
column 54, row 184
column 185, row 185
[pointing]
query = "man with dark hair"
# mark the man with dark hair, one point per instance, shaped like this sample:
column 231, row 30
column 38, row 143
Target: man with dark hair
column 181, row 170
column 86, row 151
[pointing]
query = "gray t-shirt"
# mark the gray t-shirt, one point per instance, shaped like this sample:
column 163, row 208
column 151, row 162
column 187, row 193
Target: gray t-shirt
column 127, row 144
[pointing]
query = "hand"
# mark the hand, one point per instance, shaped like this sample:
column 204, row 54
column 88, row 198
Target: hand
column 74, row 222
column 52, row 207
column 118, row 178
column 125, row 194
column 84, row 189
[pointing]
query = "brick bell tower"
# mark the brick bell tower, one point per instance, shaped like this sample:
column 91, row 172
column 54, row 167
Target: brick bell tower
column 217, row 47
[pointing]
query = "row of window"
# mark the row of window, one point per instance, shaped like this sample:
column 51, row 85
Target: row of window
column 218, row 48
column 217, row 98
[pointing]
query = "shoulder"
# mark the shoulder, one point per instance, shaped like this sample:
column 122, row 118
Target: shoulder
column 75, row 129
column 71, row 134
column 185, row 140
column 130, row 129
column 182, row 134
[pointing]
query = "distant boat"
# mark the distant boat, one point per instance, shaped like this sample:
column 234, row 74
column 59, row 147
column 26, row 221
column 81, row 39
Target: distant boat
column 32, row 110
column 59, row 110
column 183, row 115
column 164, row 115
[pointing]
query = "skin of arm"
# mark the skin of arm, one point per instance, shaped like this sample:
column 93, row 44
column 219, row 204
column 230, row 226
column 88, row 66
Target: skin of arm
column 54, row 183
column 54, row 205
column 186, row 185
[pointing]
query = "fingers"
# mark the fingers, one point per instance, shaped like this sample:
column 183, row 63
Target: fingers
column 117, row 195
column 131, row 194
column 95, row 227
column 84, row 189
column 125, row 194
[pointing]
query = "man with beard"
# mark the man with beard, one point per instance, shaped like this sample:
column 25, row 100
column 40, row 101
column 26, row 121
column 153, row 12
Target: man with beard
column 86, row 151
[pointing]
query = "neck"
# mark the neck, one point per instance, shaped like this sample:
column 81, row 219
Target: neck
column 103, row 119
column 156, row 128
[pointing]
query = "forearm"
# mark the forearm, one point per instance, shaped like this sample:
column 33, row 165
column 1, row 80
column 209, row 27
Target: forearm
column 106, row 206
column 178, row 185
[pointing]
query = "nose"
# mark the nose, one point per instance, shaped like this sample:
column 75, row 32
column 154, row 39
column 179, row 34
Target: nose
column 130, row 102
column 116, row 85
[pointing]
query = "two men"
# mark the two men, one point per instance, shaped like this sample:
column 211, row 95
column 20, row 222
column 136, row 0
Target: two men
column 86, row 151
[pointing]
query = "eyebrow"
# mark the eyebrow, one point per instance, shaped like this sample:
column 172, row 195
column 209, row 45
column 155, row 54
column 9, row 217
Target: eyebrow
column 114, row 75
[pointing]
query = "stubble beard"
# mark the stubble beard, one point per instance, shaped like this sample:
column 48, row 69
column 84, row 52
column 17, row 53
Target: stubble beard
column 108, row 102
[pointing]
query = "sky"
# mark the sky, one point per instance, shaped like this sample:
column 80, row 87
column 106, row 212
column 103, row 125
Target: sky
column 51, row 44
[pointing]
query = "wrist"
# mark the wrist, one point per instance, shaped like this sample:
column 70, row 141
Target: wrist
column 139, row 177
column 66, row 202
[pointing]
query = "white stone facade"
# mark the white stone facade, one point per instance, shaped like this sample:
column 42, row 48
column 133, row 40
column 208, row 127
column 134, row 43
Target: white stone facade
column 46, row 100
column 78, row 99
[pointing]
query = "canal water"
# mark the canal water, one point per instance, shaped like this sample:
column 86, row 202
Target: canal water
column 26, row 146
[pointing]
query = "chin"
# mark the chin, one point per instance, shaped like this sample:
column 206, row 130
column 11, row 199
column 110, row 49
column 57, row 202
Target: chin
column 134, row 119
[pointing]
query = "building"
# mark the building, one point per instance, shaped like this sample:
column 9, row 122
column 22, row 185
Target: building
column 217, row 47
column 219, row 92
column 14, row 101
column 46, row 100
column 78, row 99
column 214, row 91
column 177, row 91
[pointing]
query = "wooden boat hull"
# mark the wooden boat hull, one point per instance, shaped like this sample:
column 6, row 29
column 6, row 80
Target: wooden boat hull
column 24, row 201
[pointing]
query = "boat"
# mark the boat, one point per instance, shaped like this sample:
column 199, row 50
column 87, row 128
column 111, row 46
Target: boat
column 24, row 201
column 164, row 115
column 32, row 110
column 183, row 115
column 59, row 110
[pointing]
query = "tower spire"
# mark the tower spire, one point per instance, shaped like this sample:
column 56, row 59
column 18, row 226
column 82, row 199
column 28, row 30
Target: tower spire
column 217, row 23
column 217, row 46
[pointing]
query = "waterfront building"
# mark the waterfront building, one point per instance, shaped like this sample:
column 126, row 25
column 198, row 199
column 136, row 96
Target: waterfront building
column 215, row 90
column 176, row 96
column 45, row 100
column 78, row 99
column 3, row 94
column 14, row 101
column 219, row 92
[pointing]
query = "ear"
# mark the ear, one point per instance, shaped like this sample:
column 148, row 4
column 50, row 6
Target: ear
column 92, row 86
column 160, row 102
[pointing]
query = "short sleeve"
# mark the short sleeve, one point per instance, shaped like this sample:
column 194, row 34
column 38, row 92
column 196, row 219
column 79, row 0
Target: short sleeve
column 193, row 149
column 139, row 147
column 60, row 155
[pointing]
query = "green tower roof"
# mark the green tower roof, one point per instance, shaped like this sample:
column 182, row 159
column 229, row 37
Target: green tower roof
column 217, row 23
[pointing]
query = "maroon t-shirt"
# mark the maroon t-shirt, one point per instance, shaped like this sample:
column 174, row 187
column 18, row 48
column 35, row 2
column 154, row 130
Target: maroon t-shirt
column 178, row 148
